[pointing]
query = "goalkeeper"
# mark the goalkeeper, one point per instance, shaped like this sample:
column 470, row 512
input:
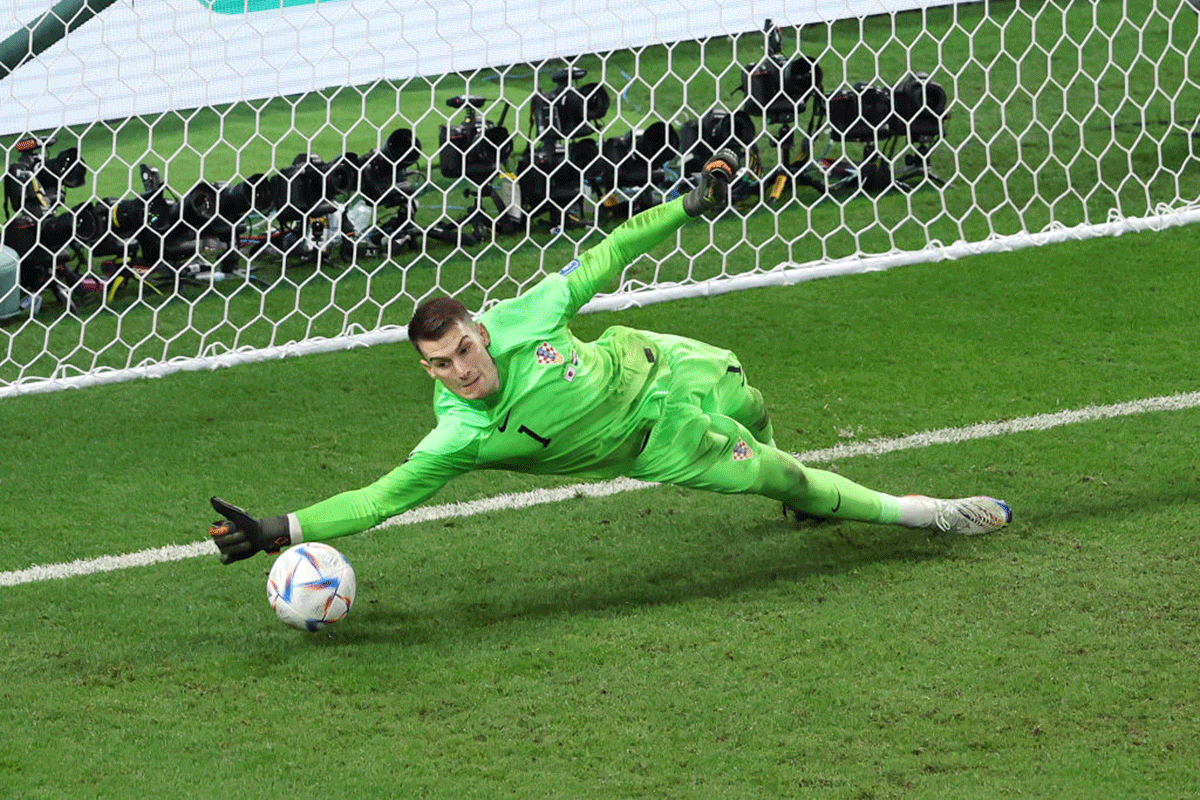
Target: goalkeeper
column 516, row 390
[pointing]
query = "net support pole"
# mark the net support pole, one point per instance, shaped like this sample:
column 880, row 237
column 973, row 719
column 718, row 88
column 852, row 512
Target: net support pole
column 30, row 40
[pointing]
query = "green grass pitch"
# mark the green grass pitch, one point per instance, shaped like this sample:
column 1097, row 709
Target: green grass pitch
column 662, row 643
column 657, row 643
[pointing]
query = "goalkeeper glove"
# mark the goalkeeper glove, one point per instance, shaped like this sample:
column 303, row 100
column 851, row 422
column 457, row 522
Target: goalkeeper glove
column 240, row 536
column 712, row 192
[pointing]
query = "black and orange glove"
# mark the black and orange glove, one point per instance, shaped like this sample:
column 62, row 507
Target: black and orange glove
column 712, row 191
column 240, row 535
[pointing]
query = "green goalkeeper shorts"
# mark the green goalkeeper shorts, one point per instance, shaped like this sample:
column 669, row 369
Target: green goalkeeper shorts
column 712, row 425
column 714, row 433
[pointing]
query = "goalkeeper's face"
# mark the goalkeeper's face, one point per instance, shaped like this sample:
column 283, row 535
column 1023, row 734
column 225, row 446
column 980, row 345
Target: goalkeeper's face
column 460, row 361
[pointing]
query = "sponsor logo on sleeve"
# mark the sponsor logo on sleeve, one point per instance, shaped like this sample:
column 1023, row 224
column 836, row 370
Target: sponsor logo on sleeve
column 572, row 368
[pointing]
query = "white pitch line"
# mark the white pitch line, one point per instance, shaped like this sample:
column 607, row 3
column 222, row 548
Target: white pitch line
column 983, row 430
column 536, row 497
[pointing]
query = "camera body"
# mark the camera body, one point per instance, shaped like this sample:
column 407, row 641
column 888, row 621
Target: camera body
column 914, row 108
column 42, row 243
column 568, row 111
column 778, row 88
column 383, row 174
column 638, row 159
column 562, row 163
column 33, row 184
column 236, row 201
column 554, row 176
column 153, row 225
column 861, row 113
column 701, row 137
column 476, row 148
column 33, row 190
column 919, row 108
column 301, row 190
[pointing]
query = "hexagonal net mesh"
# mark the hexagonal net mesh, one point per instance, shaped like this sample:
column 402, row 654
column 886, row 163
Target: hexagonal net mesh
column 192, row 183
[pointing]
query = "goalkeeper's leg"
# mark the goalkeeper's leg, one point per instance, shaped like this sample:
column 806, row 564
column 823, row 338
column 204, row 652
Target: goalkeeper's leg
column 717, row 453
column 715, row 434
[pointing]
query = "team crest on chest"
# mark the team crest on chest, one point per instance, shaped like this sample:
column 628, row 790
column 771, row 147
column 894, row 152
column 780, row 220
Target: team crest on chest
column 546, row 354
column 742, row 451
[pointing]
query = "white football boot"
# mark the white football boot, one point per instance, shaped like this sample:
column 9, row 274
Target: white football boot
column 968, row 515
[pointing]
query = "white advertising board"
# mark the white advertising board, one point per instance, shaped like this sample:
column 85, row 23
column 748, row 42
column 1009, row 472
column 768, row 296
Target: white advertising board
column 148, row 56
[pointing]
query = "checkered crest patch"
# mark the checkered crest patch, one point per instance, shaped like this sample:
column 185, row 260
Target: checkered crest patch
column 546, row 354
column 742, row 451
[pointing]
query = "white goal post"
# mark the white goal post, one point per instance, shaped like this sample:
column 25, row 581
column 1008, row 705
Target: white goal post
column 198, row 183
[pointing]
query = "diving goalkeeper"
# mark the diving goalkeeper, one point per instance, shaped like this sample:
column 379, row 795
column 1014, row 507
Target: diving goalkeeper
column 518, row 391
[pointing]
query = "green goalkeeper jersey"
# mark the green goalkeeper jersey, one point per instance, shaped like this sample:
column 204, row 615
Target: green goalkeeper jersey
column 564, row 406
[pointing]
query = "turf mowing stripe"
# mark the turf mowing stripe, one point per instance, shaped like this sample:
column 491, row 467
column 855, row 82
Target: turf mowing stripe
column 509, row 502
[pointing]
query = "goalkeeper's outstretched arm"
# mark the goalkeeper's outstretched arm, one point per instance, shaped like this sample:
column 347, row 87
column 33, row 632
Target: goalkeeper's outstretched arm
column 595, row 268
column 238, row 535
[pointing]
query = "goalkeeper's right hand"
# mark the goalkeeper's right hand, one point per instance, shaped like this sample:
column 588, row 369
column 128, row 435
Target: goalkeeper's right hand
column 712, row 190
column 240, row 536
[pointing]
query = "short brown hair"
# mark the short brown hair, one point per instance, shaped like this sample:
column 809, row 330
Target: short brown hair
column 433, row 318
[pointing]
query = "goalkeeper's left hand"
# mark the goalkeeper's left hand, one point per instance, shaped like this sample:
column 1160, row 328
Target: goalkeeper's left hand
column 240, row 535
column 712, row 192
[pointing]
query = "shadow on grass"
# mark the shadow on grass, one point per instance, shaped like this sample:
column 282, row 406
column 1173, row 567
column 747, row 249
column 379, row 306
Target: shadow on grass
column 747, row 560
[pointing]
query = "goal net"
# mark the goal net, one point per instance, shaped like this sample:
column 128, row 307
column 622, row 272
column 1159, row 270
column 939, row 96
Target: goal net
column 197, row 183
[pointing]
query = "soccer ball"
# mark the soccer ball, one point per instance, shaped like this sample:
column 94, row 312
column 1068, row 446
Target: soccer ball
column 310, row 586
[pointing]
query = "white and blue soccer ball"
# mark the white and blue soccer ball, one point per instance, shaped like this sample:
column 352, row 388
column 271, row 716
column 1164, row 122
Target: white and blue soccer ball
column 311, row 585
